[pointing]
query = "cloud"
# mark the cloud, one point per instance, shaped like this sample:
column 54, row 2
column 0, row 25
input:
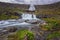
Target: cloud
column 5, row 0
column 41, row 2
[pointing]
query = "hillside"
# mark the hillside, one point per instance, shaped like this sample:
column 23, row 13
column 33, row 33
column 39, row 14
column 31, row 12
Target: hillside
column 11, row 11
column 48, row 11
column 13, row 5
column 51, row 8
column 14, row 9
column 42, row 8
column 25, row 6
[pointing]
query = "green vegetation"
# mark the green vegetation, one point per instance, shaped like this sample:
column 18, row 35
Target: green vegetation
column 22, row 34
column 5, row 17
column 9, row 13
column 53, row 35
column 51, row 23
column 30, row 36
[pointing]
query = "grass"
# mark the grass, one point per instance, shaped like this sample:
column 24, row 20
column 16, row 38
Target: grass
column 53, row 35
column 10, row 12
column 51, row 23
column 21, row 35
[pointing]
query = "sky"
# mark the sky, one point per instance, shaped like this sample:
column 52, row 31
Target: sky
column 40, row 2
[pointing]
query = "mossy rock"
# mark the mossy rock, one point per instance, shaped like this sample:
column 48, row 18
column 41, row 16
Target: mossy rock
column 22, row 34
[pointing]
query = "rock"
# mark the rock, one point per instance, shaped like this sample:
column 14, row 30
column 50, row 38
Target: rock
column 44, row 16
column 3, row 32
column 55, row 38
column 17, row 14
column 21, row 20
column 11, row 29
column 32, row 21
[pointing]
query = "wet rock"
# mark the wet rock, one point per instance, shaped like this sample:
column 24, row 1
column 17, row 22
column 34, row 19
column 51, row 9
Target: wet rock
column 3, row 32
column 33, row 21
column 11, row 29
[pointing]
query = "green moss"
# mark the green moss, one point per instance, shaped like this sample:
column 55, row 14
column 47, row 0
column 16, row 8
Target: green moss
column 25, row 33
column 21, row 34
column 30, row 36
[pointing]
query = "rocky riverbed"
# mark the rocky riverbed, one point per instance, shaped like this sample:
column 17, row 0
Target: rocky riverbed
column 32, row 24
column 38, row 33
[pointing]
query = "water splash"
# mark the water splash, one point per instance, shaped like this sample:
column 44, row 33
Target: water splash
column 28, row 16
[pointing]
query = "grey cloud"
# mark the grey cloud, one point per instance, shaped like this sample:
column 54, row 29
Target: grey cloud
column 40, row 2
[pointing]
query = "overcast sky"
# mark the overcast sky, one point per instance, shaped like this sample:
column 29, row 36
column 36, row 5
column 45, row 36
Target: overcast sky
column 41, row 2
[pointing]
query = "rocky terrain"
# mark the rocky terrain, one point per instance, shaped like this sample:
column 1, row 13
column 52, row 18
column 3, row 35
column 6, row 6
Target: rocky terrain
column 49, row 13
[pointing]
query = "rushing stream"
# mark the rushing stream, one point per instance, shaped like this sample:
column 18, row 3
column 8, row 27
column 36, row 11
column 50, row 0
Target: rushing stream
column 28, row 16
column 14, row 22
column 25, row 16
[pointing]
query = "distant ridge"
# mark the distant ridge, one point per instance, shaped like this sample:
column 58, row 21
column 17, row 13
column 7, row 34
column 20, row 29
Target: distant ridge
column 50, row 6
column 11, row 9
column 26, row 6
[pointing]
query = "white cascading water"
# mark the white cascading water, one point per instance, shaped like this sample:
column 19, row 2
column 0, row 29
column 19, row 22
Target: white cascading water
column 28, row 16
column 32, row 7
column 34, row 16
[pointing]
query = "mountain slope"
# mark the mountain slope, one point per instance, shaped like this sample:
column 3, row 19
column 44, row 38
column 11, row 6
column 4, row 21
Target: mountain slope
column 14, row 9
column 23, row 6
column 49, row 9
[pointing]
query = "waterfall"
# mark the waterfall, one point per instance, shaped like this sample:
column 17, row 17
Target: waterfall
column 32, row 7
column 28, row 16
column 34, row 16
